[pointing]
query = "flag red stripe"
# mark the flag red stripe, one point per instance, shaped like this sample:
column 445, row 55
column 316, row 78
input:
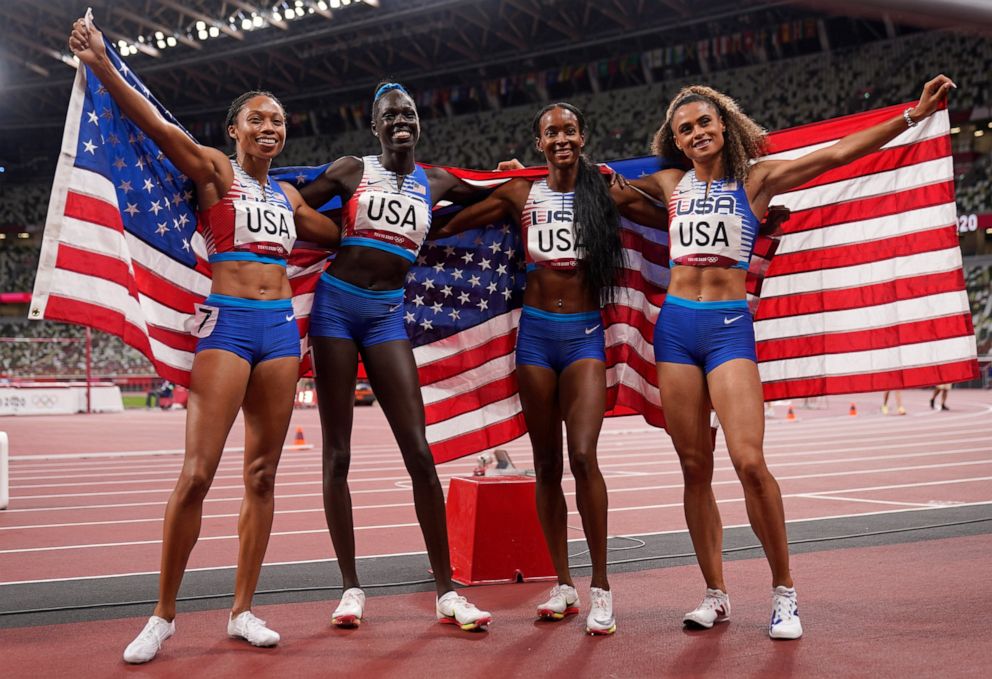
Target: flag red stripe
column 467, row 401
column 861, row 209
column 479, row 439
column 958, row 371
column 455, row 364
column 913, row 332
column 93, row 210
column 844, row 256
column 885, row 161
column 861, row 296
column 829, row 130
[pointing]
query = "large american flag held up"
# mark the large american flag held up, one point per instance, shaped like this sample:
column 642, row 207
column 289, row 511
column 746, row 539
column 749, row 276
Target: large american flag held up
column 865, row 292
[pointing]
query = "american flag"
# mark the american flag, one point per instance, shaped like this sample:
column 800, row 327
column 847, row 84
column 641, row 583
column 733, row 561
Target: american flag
column 866, row 290
column 121, row 251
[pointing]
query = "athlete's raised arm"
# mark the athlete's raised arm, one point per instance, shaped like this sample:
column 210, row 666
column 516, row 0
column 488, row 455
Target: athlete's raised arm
column 203, row 164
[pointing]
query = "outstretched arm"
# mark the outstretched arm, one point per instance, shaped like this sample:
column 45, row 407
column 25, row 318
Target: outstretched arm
column 504, row 202
column 636, row 204
column 340, row 179
column 202, row 164
column 310, row 224
column 774, row 177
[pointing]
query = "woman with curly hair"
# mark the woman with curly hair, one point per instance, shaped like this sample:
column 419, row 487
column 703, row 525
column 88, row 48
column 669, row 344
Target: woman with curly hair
column 704, row 339
column 570, row 226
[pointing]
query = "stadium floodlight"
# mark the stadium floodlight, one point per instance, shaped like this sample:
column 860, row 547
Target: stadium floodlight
column 203, row 35
column 276, row 16
column 214, row 31
column 322, row 6
column 170, row 41
column 201, row 25
column 246, row 24
column 159, row 35
column 258, row 21
column 335, row 4
column 160, row 44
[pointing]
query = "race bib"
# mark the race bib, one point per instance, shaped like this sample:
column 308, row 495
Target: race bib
column 705, row 240
column 259, row 222
column 553, row 240
column 393, row 213
column 203, row 321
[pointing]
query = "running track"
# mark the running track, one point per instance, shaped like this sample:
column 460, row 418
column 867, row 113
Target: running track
column 102, row 515
column 890, row 517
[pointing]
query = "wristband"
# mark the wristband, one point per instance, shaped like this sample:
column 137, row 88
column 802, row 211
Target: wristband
column 909, row 121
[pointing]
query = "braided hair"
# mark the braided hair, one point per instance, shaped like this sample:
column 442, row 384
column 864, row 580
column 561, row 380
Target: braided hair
column 597, row 220
column 241, row 100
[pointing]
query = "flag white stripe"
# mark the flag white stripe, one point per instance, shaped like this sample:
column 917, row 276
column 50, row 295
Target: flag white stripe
column 468, row 339
column 863, row 318
column 868, row 186
column 468, row 381
column 858, row 275
column 933, row 127
column 874, row 361
column 868, row 230
column 486, row 416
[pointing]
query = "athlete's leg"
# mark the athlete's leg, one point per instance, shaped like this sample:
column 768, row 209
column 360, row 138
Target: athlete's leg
column 582, row 397
column 735, row 389
column 268, row 407
column 685, row 400
column 393, row 376
column 217, row 388
column 335, row 366
column 539, row 397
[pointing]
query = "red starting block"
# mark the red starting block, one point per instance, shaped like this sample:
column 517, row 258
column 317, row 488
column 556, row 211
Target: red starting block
column 493, row 531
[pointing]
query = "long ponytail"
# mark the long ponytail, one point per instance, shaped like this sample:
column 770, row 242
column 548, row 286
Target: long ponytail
column 598, row 230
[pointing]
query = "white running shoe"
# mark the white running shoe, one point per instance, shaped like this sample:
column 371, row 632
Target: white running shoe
column 453, row 609
column 350, row 610
column 564, row 601
column 146, row 645
column 253, row 630
column 785, row 614
column 600, row 619
column 715, row 608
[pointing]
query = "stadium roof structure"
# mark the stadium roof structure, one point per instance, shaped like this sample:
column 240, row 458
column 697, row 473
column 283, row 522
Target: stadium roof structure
column 197, row 54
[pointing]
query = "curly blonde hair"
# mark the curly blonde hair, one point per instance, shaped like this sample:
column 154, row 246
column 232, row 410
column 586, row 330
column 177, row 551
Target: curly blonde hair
column 743, row 139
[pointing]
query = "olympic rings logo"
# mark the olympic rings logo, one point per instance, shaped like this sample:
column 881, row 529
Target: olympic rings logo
column 44, row 401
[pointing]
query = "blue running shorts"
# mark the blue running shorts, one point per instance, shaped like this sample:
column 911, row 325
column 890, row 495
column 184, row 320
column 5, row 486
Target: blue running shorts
column 255, row 329
column 706, row 334
column 346, row 311
column 556, row 341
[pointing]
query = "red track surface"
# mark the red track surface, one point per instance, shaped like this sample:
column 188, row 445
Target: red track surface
column 101, row 516
column 871, row 612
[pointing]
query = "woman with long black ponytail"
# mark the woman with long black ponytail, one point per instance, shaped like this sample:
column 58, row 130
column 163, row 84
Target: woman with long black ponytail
column 571, row 232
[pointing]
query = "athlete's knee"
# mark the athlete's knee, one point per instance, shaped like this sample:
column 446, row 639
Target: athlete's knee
column 260, row 478
column 583, row 464
column 193, row 486
column 420, row 464
column 753, row 473
column 337, row 462
column 548, row 469
column 697, row 467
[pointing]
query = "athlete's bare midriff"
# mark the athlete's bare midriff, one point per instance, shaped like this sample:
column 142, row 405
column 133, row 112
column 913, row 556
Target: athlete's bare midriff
column 707, row 283
column 250, row 280
column 369, row 268
column 558, row 292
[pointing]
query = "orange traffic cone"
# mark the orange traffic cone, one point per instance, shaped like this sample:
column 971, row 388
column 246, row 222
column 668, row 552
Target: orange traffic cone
column 853, row 411
column 791, row 415
column 299, row 440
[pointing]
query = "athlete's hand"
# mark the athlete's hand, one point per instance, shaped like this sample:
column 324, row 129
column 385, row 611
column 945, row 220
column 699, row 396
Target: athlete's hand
column 616, row 179
column 777, row 216
column 934, row 92
column 512, row 164
column 86, row 41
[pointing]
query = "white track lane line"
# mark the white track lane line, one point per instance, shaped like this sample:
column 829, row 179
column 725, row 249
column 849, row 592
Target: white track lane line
column 386, row 555
column 835, row 491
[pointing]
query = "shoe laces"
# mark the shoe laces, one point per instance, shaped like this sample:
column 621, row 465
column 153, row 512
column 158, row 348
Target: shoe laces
column 601, row 599
column 252, row 623
column 785, row 607
column 352, row 597
column 151, row 632
column 562, row 591
column 712, row 601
